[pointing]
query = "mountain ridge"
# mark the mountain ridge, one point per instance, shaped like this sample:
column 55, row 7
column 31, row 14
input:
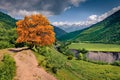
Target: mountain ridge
column 106, row 31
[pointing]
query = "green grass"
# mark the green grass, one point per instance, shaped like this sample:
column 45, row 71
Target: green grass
column 7, row 68
column 90, row 71
column 82, row 70
column 96, row 47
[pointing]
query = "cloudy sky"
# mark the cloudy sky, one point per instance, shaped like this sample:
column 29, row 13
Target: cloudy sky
column 69, row 15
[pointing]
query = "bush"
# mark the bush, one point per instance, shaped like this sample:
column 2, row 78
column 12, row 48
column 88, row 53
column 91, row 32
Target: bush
column 18, row 45
column 70, row 57
column 42, row 50
column 83, row 51
column 55, row 62
column 63, row 47
column 116, row 63
column 4, row 44
column 54, row 70
column 7, row 68
column 80, row 56
column 7, row 38
column 69, row 52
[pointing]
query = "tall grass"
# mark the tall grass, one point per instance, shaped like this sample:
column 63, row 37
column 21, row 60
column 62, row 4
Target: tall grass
column 7, row 68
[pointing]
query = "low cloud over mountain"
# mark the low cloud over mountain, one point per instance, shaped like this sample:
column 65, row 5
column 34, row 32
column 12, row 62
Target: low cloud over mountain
column 72, row 26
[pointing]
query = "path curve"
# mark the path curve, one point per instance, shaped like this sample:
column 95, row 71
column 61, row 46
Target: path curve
column 27, row 67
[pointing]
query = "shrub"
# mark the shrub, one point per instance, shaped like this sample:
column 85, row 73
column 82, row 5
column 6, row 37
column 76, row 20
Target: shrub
column 42, row 50
column 7, row 68
column 5, row 44
column 69, row 52
column 83, row 51
column 80, row 56
column 116, row 63
column 70, row 57
column 53, row 60
column 56, row 61
column 54, row 70
column 17, row 45
column 63, row 47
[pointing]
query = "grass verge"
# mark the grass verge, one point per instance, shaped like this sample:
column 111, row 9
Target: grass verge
column 7, row 68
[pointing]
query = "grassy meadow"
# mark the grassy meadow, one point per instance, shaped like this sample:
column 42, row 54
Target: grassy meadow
column 79, row 69
column 96, row 47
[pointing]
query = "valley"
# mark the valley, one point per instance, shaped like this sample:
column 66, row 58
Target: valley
column 32, row 48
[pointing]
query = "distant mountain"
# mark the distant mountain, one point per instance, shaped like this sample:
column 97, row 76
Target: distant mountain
column 71, row 28
column 69, row 36
column 107, row 31
column 59, row 32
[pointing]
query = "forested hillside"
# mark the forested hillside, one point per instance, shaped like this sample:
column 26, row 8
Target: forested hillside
column 107, row 31
column 7, row 31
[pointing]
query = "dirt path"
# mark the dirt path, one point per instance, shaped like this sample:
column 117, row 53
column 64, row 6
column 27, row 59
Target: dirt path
column 27, row 68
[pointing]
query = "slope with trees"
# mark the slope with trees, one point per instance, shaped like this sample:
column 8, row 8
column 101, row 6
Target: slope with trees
column 7, row 31
column 107, row 31
column 59, row 32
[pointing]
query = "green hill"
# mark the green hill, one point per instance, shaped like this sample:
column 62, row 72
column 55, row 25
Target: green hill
column 6, row 21
column 59, row 32
column 70, row 36
column 107, row 31
column 7, row 31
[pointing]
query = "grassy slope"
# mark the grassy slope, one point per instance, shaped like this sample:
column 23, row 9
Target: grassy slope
column 7, row 31
column 59, row 32
column 7, row 68
column 90, row 71
column 6, row 21
column 81, row 70
column 96, row 47
column 69, row 36
column 107, row 31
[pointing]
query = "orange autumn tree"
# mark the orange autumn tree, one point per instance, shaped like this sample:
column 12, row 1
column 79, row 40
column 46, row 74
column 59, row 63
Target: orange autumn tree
column 35, row 30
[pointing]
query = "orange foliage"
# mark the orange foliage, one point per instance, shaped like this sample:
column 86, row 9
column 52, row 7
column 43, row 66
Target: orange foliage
column 35, row 29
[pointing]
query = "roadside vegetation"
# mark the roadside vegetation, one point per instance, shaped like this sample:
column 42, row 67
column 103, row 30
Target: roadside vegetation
column 7, row 68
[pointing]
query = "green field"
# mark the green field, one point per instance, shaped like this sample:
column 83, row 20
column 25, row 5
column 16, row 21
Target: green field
column 96, row 47
column 82, row 70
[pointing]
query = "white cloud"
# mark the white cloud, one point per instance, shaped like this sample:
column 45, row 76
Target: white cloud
column 76, row 2
column 92, row 19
